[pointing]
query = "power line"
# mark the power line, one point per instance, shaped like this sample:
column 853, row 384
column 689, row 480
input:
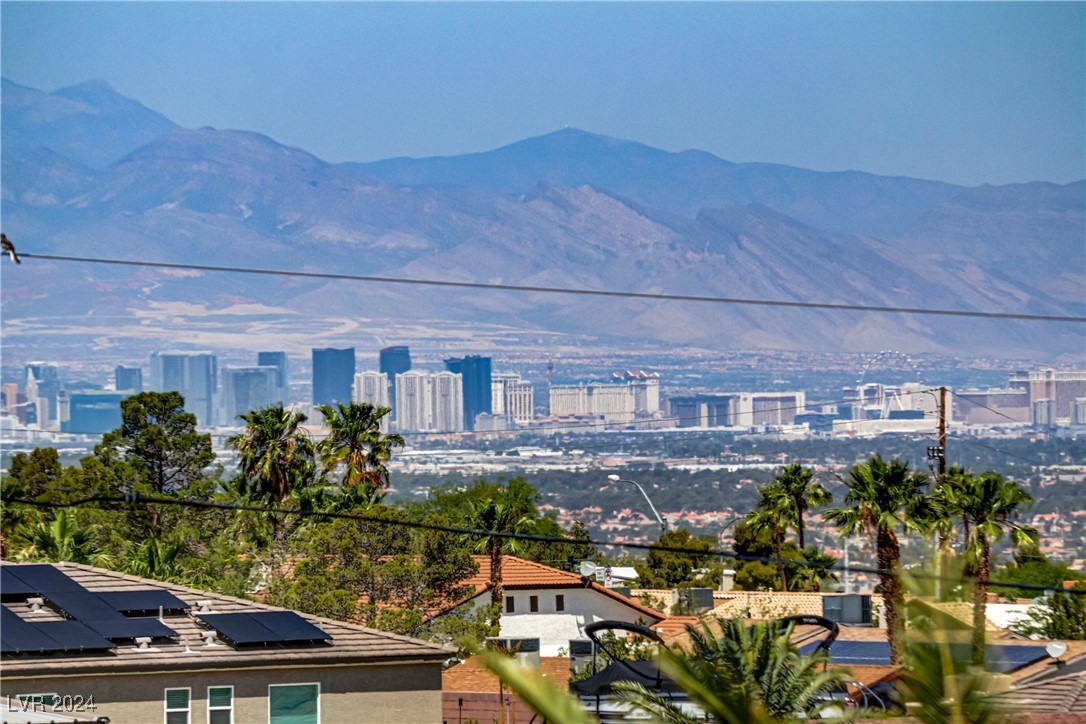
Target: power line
column 981, row 404
column 564, row 290
column 133, row 500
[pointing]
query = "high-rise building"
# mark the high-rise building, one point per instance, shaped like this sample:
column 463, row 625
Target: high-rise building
column 447, row 402
column 512, row 397
column 394, row 361
column 475, row 371
column 128, row 379
column 372, row 388
column 413, row 400
column 42, row 385
column 194, row 374
column 333, row 375
column 245, row 389
column 278, row 360
column 430, row 402
column 93, row 412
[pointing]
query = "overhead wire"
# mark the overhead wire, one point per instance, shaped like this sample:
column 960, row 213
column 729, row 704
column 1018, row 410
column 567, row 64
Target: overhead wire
column 135, row 500
column 653, row 296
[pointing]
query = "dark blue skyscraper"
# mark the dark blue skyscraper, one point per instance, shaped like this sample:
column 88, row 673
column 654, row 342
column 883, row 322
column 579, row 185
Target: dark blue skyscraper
column 128, row 379
column 333, row 375
column 394, row 361
column 477, row 392
column 277, row 360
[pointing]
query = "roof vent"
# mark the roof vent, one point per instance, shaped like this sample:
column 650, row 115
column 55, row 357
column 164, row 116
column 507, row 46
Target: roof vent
column 209, row 638
column 203, row 606
column 35, row 604
column 143, row 643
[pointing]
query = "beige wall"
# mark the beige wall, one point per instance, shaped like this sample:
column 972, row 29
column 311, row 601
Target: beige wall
column 377, row 693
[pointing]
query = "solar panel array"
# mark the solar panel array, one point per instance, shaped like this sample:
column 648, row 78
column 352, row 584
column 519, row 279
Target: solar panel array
column 1000, row 658
column 97, row 620
column 264, row 628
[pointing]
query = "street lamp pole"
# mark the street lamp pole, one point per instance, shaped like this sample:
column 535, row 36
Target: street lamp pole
column 617, row 479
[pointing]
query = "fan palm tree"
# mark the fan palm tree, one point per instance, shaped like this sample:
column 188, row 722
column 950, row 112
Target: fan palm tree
column 882, row 498
column 774, row 514
column 803, row 491
column 743, row 675
column 499, row 518
column 275, row 457
column 988, row 505
column 61, row 539
column 355, row 441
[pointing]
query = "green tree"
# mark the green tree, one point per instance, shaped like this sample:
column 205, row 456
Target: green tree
column 1031, row 567
column 989, row 505
column 753, row 549
column 274, row 454
column 499, row 518
column 1058, row 616
column 743, row 675
column 882, row 498
column 797, row 483
column 62, row 539
column 775, row 513
column 666, row 568
column 355, row 441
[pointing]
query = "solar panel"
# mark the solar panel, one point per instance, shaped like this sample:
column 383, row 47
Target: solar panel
column 999, row 658
column 13, row 588
column 73, row 636
column 144, row 603
column 1004, row 658
column 858, row 653
column 19, row 637
column 264, row 627
column 123, row 629
column 43, row 578
column 101, row 617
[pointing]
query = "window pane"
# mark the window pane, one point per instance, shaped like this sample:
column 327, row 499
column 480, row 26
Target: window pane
column 177, row 717
column 177, row 698
column 293, row 704
column 219, row 696
column 559, row 603
column 509, row 604
column 533, row 603
column 222, row 716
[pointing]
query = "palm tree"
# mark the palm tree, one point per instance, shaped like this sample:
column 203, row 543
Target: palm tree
column 273, row 452
column 799, row 485
column 497, row 517
column 61, row 540
column 275, row 457
column 774, row 514
column 743, row 675
column 988, row 505
column 882, row 497
column 355, row 440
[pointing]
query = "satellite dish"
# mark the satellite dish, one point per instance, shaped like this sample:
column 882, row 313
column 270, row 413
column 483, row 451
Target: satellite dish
column 588, row 569
column 1056, row 649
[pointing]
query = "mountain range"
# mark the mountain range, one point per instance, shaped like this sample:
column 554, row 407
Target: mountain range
column 88, row 172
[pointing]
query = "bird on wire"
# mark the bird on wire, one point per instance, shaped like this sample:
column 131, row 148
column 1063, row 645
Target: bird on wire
column 9, row 248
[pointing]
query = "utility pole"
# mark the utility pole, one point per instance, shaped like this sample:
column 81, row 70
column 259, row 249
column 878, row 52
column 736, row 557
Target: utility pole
column 938, row 452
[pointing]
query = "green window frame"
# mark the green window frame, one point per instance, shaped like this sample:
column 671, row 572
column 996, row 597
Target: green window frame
column 220, row 705
column 177, row 706
column 294, row 703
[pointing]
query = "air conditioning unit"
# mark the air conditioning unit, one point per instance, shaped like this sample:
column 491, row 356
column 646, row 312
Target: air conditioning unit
column 580, row 654
column 526, row 651
column 849, row 609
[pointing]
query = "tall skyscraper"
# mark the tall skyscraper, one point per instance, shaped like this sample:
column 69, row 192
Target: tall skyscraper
column 430, row 402
column 477, row 385
column 446, row 402
column 42, row 385
column 394, row 361
column 333, row 375
column 413, row 400
column 128, row 379
column 512, row 397
column 245, row 389
column 371, row 387
column 194, row 374
column 277, row 360
column 94, row 412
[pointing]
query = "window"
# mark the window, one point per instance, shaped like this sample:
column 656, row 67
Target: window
column 220, row 705
column 294, row 704
column 533, row 604
column 509, row 607
column 177, row 706
column 559, row 602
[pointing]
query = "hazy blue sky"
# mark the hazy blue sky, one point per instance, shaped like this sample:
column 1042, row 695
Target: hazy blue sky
column 964, row 92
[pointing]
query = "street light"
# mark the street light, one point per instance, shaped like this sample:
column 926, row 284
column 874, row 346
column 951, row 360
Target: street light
column 617, row 479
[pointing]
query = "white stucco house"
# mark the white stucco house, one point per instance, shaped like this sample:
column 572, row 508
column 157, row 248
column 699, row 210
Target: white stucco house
column 551, row 604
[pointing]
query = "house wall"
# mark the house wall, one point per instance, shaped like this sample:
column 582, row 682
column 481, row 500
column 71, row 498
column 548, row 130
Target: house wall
column 554, row 629
column 373, row 694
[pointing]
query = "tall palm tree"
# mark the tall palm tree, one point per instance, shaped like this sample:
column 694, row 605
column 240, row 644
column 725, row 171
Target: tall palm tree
column 773, row 514
column 743, row 675
column 273, row 452
column 882, row 498
column 989, row 504
column 803, row 491
column 496, row 517
column 355, row 440
column 275, row 457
